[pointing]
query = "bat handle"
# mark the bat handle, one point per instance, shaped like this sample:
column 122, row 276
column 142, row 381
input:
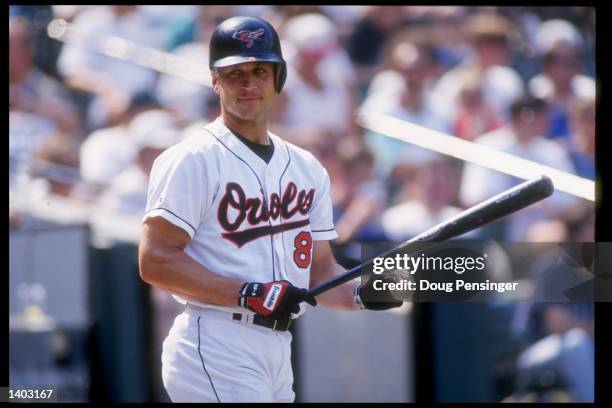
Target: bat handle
column 338, row 280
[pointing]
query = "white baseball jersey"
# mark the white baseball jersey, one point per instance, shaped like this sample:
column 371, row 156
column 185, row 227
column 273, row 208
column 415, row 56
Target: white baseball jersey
column 248, row 219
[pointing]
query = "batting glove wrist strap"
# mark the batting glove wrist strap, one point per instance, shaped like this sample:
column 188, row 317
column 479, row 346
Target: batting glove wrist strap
column 273, row 299
column 357, row 295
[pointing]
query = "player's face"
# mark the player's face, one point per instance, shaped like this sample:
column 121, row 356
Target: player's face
column 246, row 90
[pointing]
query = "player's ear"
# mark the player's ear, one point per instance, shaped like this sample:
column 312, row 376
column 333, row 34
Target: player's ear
column 215, row 81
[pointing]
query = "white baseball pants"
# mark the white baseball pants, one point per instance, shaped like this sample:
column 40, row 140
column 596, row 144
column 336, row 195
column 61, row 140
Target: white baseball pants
column 209, row 357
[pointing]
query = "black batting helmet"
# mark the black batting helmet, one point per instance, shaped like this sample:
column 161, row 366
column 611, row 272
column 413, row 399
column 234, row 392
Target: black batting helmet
column 246, row 39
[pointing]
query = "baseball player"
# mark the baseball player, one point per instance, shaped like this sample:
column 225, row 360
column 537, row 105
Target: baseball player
column 237, row 225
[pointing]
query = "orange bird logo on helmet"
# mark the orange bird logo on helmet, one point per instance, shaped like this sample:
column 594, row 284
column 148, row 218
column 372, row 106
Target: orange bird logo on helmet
column 248, row 36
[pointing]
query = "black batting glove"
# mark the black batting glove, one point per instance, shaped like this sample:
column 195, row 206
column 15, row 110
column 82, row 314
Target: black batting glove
column 369, row 298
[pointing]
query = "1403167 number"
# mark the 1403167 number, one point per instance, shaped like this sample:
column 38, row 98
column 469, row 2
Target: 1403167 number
column 29, row 394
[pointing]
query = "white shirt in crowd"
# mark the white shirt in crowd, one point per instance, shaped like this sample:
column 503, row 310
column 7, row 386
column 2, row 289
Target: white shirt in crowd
column 127, row 193
column 327, row 108
column 411, row 218
column 105, row 153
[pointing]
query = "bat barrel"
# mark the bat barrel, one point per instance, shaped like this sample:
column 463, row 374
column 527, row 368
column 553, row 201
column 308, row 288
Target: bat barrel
column 505, row 203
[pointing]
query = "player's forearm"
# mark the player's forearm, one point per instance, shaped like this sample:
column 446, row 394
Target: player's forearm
column 178, row 273
column 341, row 297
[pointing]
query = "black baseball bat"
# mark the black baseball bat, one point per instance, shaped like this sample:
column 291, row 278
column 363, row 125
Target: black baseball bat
column 505, row 203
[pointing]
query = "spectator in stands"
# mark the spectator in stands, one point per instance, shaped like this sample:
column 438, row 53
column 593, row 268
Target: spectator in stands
column 488, row 34
column 581, row 144
column 443, row 25
column 213, row 110
column 357, row 217
column 57, row 163
column 474, row 116
column 322, row 145
column 188, row 99
column 46, row 49
column 279, row 15
column 318, row 92
column 152, row 132
column 401, row 94
column 39, row 106
column 177, row 23
column 52, row 172
column 428, row 200
column 524, row 138
column 106, row 152
column 27, row 133
column 366, row 42
column 111, row 81
column 32, row 91
column 345, row 18
column 561, row 82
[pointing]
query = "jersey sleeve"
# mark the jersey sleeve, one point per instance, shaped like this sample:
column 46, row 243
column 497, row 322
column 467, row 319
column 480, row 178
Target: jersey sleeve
column 321, row 212
column 178, row 189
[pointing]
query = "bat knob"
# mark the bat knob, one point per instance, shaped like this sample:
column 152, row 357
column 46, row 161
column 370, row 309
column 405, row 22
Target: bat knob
column 547, row 186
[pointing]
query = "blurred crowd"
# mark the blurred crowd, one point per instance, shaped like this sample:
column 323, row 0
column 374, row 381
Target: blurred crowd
column 88, row 126
column 520, row 80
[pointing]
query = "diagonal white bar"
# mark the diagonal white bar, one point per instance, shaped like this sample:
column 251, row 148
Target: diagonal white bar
column 125, row 50
column 474, row 153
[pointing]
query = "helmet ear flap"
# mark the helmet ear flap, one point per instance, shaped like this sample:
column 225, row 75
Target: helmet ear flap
column 281, row 76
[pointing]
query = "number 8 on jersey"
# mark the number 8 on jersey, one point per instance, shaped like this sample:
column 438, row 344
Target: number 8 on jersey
column 303, row 249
